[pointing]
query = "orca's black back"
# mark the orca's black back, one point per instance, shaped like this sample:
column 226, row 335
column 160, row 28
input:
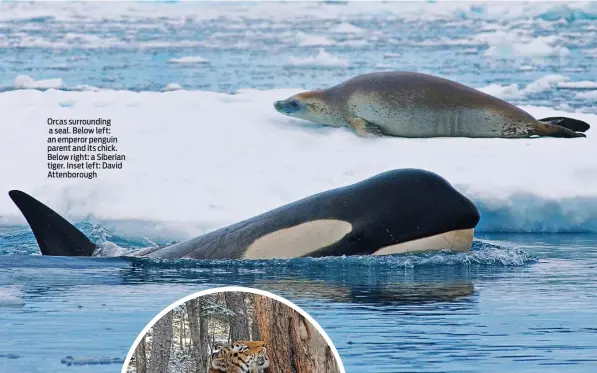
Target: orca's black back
column 392, row 207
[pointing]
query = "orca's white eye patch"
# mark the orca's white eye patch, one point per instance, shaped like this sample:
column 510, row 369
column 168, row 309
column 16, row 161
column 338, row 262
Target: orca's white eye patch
column 298, row 240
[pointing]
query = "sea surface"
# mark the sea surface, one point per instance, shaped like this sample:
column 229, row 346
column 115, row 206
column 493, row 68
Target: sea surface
column 189, row 88
column 516, row 303
column 228, row 46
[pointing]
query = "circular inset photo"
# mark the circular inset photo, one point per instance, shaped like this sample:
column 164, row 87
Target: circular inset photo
column 233, row 330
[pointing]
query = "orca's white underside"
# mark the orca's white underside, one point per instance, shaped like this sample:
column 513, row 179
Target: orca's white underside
column 457, row 240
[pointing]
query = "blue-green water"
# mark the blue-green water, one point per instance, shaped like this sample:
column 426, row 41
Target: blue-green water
column 515, row 303
column 138, row 47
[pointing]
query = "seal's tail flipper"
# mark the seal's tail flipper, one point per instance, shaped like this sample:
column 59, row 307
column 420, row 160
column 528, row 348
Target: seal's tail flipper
column 54, row 235
column 553, row 130
column 572, row 124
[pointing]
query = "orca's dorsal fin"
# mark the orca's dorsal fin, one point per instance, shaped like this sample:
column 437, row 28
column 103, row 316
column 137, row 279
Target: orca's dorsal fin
column 54, row 235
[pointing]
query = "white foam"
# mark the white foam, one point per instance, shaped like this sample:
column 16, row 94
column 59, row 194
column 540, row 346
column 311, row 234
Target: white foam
column 11, row 297
column 27, row 82
column 107, row 248
column 322, row 59
column 198, row 160
column 189, row 60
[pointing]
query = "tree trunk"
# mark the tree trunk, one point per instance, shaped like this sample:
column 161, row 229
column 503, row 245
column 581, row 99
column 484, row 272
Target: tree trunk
column 161, row 344
column 293, row 344
column 255, row 329
column 141, row 357
column 195, row 331
column 181, row 330
column 184, row 330
column 203, row 333
column 250, row 300
column 239, row 323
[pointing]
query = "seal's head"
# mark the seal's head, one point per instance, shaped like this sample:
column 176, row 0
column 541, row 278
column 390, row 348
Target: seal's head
column 309, row 105
column 291, row 106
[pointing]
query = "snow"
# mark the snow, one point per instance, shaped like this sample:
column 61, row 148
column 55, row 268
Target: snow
column 173, row 87
column 199, row 160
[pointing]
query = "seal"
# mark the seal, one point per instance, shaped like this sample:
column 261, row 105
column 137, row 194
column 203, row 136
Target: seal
column 399, row 211
column 409, row 104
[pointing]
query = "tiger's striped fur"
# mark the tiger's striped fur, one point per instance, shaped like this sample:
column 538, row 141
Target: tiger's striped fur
column 240, row 357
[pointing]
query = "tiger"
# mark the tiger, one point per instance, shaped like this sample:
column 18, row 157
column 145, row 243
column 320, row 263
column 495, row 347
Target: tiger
column 260, row 359
column 240, row 357
column 260, row 362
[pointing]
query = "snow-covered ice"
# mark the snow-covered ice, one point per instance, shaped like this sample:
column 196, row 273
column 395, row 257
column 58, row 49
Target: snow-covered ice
column 198, row 160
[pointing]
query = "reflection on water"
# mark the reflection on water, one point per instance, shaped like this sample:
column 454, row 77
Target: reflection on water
column 397, row 293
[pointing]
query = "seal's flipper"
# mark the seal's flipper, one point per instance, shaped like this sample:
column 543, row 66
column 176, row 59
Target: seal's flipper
column 572, row 124
column 553, row 130
column 364, row 128
column 54, row 235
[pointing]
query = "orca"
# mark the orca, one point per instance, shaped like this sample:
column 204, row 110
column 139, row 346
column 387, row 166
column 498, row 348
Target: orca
column 395, row 212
